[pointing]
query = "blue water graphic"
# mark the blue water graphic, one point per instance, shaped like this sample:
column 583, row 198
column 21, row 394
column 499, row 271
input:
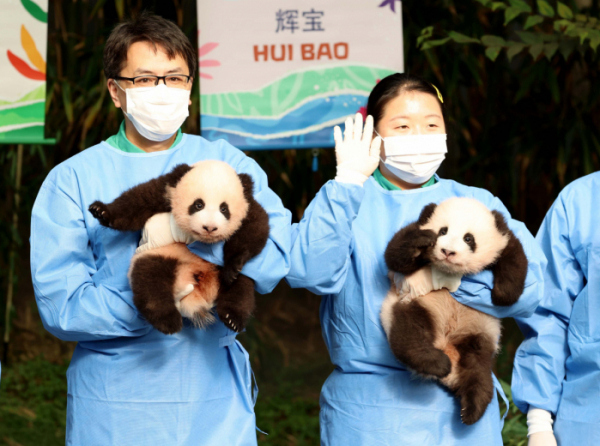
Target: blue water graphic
column 312, row 113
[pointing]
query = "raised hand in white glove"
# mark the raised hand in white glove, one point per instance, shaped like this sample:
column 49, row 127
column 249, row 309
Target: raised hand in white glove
column 161, row 230
column 357, row 153
column 545, row 438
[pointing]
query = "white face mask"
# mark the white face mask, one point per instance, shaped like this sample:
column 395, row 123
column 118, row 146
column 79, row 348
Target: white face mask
column 157, row 112
column 414, row 158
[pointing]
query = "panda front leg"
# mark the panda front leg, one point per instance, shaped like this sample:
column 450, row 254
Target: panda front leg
column 235, row 303
column 474, row 384
column 247, row 242
column 152, row 278
column 411, row 334
column 131, row 210
column 409, row 250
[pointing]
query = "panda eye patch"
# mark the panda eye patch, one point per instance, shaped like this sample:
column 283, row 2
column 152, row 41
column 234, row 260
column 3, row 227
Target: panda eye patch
column 196, row 206
column 443, row 231
column 224, row 208
column 470, row 240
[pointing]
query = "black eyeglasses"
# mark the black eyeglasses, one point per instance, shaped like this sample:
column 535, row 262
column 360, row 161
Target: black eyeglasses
column 171, row 80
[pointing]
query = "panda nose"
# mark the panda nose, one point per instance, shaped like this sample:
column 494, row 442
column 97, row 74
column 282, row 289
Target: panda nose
column 448, row 253
column 210, row 229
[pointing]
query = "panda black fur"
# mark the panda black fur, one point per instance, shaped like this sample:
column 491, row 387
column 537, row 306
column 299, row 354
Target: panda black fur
column 434, row 335
column 211, row 203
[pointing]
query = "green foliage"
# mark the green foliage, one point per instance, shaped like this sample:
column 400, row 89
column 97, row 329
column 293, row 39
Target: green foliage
column 33, row 402
column 545, row 8
column 287, row 418
column 515, row 426
column 562, row 30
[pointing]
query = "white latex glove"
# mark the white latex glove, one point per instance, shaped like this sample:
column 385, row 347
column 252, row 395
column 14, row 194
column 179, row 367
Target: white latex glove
column 424, row 281
column 356, row 154
column 539, row 427
column 161, row 230
column 416, row 285
column 542, row 439
column 441, row 280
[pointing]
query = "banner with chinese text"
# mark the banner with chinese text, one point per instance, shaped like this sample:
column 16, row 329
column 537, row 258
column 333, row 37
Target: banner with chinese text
column 283, row 73
column 23, row 36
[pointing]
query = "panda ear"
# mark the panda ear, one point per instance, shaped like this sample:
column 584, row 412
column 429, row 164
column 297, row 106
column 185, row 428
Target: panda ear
column 248, row 185
column 510, row 270
column 172, row 178
column 426, row 213
column 501, row 224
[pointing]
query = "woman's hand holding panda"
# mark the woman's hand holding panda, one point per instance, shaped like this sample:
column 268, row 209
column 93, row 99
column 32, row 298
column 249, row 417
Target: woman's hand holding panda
column 416, row 284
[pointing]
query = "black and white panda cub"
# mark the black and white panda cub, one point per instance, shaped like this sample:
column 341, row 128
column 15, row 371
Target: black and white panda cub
column 210, row 202
column 434, row 335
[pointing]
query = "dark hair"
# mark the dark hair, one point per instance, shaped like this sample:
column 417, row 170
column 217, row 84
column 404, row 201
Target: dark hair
column 392, row 86
column 146, row 28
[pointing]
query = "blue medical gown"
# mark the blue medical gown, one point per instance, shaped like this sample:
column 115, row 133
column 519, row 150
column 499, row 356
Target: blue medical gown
column 338, row 252
column 557, row 367
column 129, row 384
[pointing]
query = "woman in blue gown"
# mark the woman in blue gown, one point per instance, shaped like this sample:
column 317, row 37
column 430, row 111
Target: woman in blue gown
column 338, row 253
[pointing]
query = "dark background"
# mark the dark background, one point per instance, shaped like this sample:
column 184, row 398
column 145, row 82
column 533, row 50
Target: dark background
column 522, row 129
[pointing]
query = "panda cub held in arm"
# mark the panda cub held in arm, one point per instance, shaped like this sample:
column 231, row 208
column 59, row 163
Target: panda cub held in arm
column 210, row 203
column 434, row 335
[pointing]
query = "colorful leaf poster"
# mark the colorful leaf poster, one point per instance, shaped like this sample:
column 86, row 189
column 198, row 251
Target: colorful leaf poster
column 282, row 73
column 23, row 70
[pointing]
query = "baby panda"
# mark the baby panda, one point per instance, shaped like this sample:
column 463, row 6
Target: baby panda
column 434, row 335
column 210, row 203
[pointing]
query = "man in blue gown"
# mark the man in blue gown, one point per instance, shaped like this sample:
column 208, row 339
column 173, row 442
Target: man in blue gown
column 129, row 384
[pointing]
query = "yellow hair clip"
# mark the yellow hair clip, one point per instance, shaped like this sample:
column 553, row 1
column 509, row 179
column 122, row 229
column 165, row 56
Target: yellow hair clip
column 439, row 94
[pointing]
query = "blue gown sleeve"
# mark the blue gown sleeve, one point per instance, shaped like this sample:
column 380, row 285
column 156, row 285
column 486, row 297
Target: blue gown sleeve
column 475, row 291
column 322, row 241
column 72, row 306
column 273, row 263
column 539, row 368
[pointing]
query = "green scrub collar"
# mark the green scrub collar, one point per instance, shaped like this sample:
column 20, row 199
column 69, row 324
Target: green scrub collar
column 120, row 141
column 388, row 185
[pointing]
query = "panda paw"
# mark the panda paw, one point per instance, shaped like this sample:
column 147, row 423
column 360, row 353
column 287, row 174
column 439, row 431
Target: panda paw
column 229, row 274
column 422, row 239
column 100, row 211
column 233, row 318
column 168, row 324
column 473, row 405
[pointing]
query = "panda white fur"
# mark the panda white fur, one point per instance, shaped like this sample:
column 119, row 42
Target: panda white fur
column 210, row 203
column 434, row 335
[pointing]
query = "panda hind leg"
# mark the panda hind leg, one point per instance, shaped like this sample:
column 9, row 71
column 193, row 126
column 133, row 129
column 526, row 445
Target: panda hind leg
column 204, row 276
column 412, row 336
column 235, row 303
column 473, row 383
column 151, row 279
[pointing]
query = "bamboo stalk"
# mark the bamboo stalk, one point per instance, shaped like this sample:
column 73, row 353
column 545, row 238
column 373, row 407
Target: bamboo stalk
column 13, row 248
